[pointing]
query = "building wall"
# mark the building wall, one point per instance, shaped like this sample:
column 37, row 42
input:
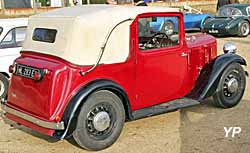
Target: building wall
column 17, row 4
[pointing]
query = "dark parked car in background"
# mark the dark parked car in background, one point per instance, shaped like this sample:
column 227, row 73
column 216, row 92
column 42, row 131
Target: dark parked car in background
column 231, row 20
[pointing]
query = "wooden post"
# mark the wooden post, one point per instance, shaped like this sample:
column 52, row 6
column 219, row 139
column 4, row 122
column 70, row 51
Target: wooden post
column 65, row 3
column 2, row 4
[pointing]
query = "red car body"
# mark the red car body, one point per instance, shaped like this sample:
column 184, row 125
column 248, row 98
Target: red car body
column 165, row 70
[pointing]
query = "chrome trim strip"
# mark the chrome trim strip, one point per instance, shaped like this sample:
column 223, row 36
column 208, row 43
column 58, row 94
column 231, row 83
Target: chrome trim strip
column 44, row 124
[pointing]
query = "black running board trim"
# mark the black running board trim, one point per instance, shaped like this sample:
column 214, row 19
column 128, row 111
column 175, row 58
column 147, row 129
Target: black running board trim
column 164, row 107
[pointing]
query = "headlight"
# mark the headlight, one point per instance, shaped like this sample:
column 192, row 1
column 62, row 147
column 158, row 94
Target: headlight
column 227, row 27
column 229, row 48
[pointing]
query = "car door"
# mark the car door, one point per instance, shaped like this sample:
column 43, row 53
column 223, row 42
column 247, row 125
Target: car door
column 10, row 47
column 161, row 60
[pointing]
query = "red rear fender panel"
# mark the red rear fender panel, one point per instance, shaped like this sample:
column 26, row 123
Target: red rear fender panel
column 39, row 97
column 203, row 49
column 46, row 99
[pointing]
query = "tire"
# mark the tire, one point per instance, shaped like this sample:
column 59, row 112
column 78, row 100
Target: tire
column 92, row 132
column 244, row 28
column 231, row 86
column 4, row 85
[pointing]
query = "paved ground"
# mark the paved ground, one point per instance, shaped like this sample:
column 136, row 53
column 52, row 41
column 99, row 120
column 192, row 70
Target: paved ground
column 195, row 129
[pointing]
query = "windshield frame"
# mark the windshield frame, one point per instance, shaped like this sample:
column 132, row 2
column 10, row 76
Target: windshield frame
column 226, row 12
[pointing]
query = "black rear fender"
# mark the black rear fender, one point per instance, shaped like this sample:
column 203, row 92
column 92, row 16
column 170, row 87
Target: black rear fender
column 71, row 112
column 209, row 77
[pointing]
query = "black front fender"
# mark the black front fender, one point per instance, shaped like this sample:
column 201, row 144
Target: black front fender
column 70, row 113
column 209, row 77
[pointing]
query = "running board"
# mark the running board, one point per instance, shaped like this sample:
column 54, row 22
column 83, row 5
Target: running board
column 164, row 107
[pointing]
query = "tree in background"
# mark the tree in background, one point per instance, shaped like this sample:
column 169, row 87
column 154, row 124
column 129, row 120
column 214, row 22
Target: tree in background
column 44, row 2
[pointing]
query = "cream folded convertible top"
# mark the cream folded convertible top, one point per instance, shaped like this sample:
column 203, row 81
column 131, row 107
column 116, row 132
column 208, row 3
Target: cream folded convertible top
column 81, row 32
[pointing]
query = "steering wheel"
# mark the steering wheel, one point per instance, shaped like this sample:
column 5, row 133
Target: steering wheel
column 154, row 42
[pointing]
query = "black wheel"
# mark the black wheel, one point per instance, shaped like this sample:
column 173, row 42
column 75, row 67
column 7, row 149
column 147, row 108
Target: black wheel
column 100, row 121
column 231, row 86
column 244, row 28
column 4, row 84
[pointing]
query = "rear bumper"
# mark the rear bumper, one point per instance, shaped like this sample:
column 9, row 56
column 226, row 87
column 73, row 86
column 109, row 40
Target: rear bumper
column 33, row 120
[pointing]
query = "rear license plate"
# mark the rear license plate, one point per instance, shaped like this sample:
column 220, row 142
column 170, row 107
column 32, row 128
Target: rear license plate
column 213, row 31
column 26, row 71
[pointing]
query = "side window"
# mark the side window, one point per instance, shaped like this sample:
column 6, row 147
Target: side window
column 9, row 39
column 44, row 35
column 158, row 32
column 20, row 35
column 14, row 38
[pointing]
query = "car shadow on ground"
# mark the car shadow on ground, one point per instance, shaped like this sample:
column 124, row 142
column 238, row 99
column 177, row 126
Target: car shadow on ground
column 202, row 128
column 193, row 129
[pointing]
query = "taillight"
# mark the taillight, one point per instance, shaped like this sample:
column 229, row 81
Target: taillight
column 37, row 76
column 12, row 68
column 58, row 119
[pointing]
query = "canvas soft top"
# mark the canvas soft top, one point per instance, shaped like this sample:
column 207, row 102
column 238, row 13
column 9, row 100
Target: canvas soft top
column 81, row 31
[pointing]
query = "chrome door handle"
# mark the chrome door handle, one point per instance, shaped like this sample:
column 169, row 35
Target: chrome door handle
column 184, row 54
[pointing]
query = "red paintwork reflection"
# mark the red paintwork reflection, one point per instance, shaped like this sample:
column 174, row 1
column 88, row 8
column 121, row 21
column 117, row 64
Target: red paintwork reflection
column 48, row 97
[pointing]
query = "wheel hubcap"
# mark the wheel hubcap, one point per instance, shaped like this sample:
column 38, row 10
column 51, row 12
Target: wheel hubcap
column 101, row 121
column 245, row 29
column 1, row 88
column 232, row 85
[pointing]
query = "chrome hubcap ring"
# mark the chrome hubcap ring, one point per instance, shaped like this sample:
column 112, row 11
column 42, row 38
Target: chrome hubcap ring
column 1, row 88
column 245, row 29
column 232, row 85
column 101, row 121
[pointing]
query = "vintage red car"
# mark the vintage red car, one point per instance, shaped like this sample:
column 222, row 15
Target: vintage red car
column 85, row 70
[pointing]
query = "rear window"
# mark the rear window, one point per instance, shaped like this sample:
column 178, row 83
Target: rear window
column 44, row 35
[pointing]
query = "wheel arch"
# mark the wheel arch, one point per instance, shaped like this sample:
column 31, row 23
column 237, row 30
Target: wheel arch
column 73, row 107
column 208, row 79
column 5, row 74
column 247, row 19
column 241, row 20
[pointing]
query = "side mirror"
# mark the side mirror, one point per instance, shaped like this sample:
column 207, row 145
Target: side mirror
column 229, row 48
